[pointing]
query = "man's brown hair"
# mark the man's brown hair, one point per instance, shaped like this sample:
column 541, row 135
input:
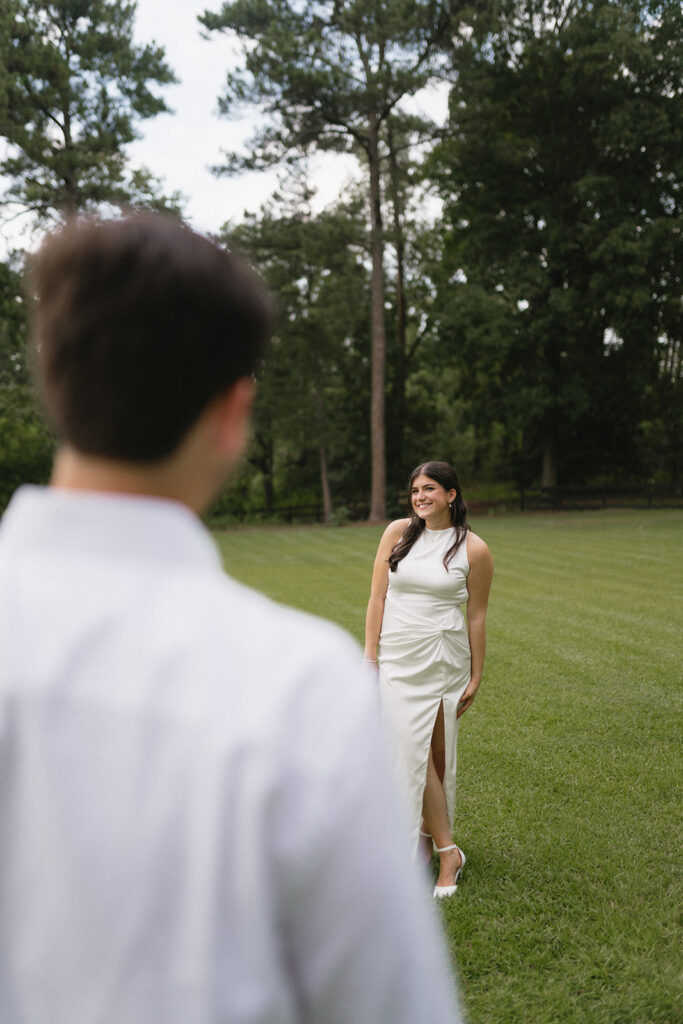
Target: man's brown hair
column 139, row 323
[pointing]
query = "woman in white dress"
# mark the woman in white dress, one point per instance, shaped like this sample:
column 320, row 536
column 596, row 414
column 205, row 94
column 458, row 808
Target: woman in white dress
column 430, row 657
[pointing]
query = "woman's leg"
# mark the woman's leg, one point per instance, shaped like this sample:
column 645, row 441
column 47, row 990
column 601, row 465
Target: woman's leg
column 438, row 753
column 434, row 810
column 439, row 744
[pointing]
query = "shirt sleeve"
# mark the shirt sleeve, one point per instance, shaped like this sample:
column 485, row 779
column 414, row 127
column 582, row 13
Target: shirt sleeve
column 362, row 941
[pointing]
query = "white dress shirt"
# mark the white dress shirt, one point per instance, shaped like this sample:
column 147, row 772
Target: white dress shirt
column 196, row 819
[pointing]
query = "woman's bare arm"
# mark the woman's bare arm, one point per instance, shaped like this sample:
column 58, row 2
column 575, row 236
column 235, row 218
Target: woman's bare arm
column 378, row 589
column 478, row 587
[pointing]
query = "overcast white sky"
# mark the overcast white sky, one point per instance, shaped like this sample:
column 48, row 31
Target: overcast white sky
column 181, row 147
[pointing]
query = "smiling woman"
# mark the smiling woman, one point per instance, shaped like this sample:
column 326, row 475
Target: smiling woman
column 429, row 655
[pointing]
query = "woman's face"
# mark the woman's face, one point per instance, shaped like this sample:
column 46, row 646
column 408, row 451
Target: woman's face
column 431, row 501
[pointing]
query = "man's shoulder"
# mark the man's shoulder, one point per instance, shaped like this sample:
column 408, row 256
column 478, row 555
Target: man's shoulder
column 244, row 626
column 262, row 670
column 250, row 613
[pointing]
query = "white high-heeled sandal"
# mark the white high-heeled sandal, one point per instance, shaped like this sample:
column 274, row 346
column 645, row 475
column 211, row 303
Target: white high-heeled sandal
column 441, row 891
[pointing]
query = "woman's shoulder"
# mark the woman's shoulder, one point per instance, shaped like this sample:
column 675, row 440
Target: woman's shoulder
column 396, row 528
column 477, row 549
column 391, row 536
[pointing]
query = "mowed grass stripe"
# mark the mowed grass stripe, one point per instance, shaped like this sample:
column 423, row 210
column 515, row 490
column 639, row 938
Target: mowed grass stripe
column 569, row 766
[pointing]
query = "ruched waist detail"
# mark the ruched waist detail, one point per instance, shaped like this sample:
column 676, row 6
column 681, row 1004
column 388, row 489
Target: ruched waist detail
column 424, row 647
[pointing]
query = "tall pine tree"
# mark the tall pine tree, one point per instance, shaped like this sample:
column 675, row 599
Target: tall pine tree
column 73, row 88
column 328, row 74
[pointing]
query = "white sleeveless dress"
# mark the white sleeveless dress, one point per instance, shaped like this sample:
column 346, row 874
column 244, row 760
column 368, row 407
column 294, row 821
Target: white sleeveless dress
column 424, row 658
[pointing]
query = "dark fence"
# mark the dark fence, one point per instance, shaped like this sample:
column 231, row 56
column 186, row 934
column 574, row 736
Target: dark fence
column 291, row 512
column 580, row 498
column 527, row 500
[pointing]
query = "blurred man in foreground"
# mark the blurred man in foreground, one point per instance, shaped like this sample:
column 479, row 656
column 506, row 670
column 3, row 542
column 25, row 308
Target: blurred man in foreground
column 197, row 820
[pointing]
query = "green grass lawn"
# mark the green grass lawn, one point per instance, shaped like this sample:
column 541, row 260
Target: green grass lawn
column 569, row 765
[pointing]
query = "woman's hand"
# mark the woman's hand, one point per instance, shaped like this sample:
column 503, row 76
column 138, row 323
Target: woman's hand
column 467, row 699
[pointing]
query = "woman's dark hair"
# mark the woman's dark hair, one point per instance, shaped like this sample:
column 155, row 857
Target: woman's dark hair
column 139, row 324
column 443, row 474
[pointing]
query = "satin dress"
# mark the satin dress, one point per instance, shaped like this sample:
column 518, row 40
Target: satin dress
column 424, row 660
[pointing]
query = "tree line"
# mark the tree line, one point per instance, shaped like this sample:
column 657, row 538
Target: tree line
column 502, row 290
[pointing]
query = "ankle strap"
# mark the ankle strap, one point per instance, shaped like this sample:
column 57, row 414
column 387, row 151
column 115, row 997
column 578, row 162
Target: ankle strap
column 442, row 849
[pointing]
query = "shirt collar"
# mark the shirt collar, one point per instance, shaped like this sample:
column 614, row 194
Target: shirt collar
column 121, row 525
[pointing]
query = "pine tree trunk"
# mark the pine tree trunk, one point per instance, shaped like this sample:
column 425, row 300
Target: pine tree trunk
column 549, row 472
column 378, row 337
column 325, row 483
column 265, row 461
column 399, row 389
column 70, row 193
column 324, row 475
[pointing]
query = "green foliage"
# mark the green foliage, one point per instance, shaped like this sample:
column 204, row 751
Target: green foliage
column 568, row 766
column 534, row 330
column 25, row 443
column 74, row 87
column 310, row 412
column 561, row 171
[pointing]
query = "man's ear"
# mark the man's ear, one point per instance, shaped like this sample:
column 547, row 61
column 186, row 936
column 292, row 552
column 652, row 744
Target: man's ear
column 230, row 418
